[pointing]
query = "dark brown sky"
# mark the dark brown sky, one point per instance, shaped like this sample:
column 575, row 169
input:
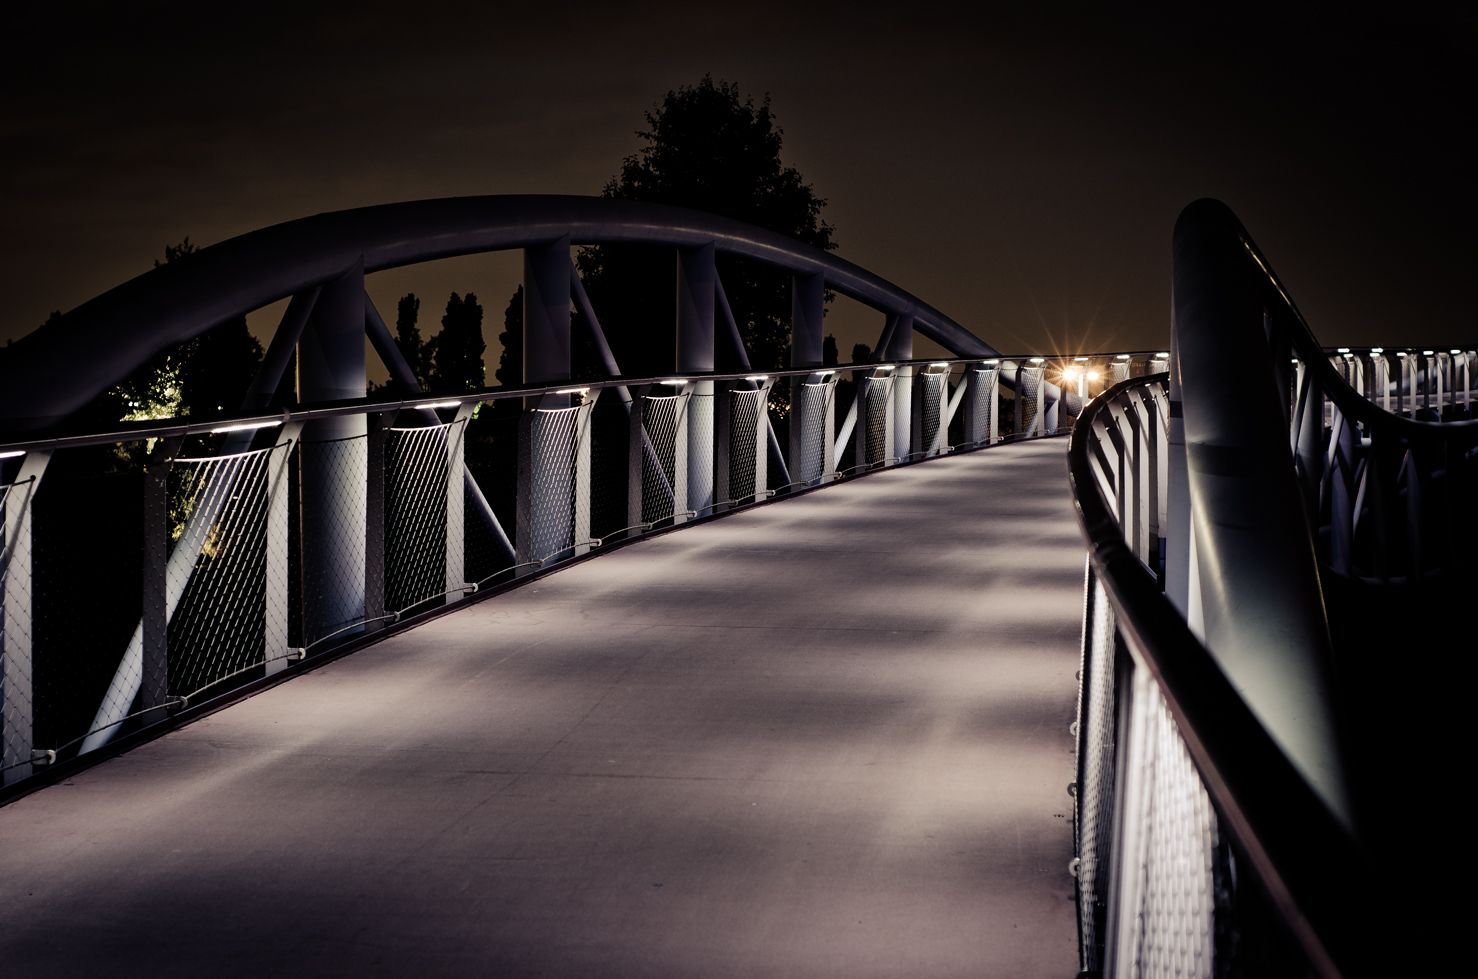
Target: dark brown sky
column 1018, row 166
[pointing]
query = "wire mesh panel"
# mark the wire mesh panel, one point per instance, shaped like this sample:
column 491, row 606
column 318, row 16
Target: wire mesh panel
column 1166, row 892
column 931, row 391
column 17, row 708
column 747, row 439
column 553, row 483
column 665, row 466
column 812, row 453
column 216, row 589
column 980, row 405
column 87, row 528
column 876, row 437
column 1029, row 400
column 1118, row 370
column 416, row 473
column 1094, row 799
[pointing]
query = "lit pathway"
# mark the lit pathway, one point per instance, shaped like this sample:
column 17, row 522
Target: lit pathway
column 828, row 737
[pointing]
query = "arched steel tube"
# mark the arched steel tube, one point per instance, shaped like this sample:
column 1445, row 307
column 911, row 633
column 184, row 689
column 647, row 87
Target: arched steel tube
column 52, row 372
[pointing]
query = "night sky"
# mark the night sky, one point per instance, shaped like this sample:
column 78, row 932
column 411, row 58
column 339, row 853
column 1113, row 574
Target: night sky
column 1018, row 167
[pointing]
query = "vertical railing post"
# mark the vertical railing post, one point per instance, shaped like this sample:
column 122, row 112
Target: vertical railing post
column 275, row 652
column 807, row 307
column 545, row 466
column 723, row 434
column 584, row 419
column 377, row 426
column 900, row 347
column 154, row 687
column 762, row 440
column 636, row 459
column 456, row 541
column 17, row 719
column 334, row 468
column 681, row 446
column 695, row 312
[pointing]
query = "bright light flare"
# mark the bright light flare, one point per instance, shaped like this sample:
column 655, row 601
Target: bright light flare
column 1093, row 375
column 253, row 426
column 12, row 454
column 442, row 404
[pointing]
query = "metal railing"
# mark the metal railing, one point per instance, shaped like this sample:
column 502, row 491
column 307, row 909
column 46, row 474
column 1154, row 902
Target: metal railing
column 1220, row 821
column 217, row 553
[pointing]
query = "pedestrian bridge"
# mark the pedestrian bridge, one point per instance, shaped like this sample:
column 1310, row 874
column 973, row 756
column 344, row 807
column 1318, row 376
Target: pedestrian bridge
column 823, row 737
column 701, row 674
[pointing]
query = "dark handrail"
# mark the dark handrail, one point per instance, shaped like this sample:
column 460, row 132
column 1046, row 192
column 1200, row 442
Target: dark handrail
column 1305, row 860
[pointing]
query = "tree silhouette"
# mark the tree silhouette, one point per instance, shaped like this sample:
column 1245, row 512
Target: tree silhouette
column 706, row 149
column 510, row 361
column 408, row 334
column 453, row 357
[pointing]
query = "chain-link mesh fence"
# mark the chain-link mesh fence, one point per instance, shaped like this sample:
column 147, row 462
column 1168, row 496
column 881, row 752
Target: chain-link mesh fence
column 216, row 591
column 748, row 445
column 811, row 450
column 17, row 710
column 1094, row 796
column 417, row 474
column 665, row 466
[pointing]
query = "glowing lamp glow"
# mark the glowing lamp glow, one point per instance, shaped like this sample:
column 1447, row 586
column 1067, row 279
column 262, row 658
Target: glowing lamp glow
column 676, row 383
column 251, row 427
column 1162, row 355
column 1036, row 360
column 1377, row 350
column 1122, row 357
column 1426, row 353
column 442, row 404
column 12, row 454
column 1093, row 375
column 573, row 391
column 1342, row 350
column 758, row 377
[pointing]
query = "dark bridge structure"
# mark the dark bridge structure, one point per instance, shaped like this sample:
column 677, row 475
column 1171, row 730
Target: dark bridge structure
column 648, row 679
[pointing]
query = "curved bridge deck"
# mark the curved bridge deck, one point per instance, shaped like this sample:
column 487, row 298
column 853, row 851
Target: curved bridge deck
column 826, row 737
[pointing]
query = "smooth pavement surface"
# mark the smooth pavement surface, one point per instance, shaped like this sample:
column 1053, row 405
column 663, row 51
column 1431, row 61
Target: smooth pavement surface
column 827, row 737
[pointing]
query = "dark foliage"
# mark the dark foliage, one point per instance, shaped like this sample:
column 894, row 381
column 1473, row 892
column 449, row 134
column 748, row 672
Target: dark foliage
column 861, row 353
column 453, row 357
column 829, row 351
column 408, row 334
column 510, row 361
column 709, row 150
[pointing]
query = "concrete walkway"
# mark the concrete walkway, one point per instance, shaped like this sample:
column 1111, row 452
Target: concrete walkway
column 827, row 737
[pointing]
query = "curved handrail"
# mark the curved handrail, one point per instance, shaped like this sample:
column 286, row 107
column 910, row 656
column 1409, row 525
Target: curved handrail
column 1306, row 861
column 42, row 380
column 1349, row 401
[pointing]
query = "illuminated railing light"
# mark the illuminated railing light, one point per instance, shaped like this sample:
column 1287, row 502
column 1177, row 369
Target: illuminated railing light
column 1162, row 355
column 1036, row 360
column 1426, row 353
column 1401, row 353
column 991, row 363
column 939, row 365
column 573, row 391
column 1093, row 375
column 442, row 404
column 1377, row 350
column 1122, row 357
column 1081, row 360
column 1454, row 351
column 758, row 377
column 676, row 382
column 12, row 454
column 1342, row 350
column 249, row 427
